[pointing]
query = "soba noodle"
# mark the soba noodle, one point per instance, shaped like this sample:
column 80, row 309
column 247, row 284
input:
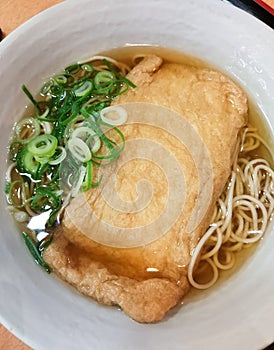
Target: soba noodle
column 241, row 213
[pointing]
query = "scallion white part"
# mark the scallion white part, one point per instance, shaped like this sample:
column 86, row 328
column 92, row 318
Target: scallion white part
column 89, row 136
column 47, row 127
column 83, row 132
column 21, row 216
column 96, row 144
column 78, row 184
column 61, row 156
column 79, row 149
column 114, row 110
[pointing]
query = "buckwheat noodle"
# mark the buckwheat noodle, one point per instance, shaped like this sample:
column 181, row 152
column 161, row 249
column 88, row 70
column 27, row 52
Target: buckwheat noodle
column 241, row 213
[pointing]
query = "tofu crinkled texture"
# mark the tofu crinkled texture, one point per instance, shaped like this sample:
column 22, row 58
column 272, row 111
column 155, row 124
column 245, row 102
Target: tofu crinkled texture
column 146, row 281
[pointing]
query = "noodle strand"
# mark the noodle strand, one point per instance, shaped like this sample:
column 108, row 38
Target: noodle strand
column 241, row 214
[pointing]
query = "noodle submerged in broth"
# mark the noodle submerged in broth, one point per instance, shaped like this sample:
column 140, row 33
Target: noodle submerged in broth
column 241, row 214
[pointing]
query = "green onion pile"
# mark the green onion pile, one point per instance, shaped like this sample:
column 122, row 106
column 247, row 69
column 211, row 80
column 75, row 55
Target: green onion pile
column 54, row 152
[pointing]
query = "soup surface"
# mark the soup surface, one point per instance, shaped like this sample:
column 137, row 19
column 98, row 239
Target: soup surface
column 49, row 206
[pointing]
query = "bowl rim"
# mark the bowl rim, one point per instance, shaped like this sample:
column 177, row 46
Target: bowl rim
column 27, row 27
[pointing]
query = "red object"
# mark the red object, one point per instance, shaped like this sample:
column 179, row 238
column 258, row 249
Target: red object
column 266, row 6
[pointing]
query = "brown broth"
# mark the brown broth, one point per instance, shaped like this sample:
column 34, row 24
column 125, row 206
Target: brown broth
column 256, row 118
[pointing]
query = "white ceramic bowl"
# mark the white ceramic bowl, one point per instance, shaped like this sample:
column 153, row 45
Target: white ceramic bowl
column 40, row 309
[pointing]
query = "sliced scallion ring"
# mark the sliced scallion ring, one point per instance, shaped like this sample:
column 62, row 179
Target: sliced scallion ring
column 60, row 79
column 26, row 129
column 67, row 117
column 84, row 89
column 21, row 216
column 41, row 159
column 43, row 145
column 46, row 87
column 45, row 200
column 77, row 122
column 15, row 194
column 61, row 156
column 77, row 185
column 72, row 69
column 87, row 67
column 87, row 182
column 56, row 90
column 114, row 110
column 27, row 163
column 96, row 144
column 47, row 127
column 42, row 115
column 83, row 132
column 79, row 149
column 103, row 78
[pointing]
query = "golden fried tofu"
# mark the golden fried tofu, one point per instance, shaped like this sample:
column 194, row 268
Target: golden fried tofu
column 129, row 241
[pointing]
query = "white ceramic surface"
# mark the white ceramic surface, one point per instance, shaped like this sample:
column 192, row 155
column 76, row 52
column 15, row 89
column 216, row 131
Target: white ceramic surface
column 38, row 308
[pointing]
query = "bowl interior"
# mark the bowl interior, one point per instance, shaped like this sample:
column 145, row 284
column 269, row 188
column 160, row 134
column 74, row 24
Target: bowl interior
column 41, row 309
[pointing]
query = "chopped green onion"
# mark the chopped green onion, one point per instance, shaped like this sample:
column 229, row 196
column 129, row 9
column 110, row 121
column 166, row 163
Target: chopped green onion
column 60, row 79
column 42, row 112
column 60, row 144
column 46, row 87
column 120, row 76
column 42, row 159
column 43, row 146
column 60, row 157
column 45, row 243
column 79, row 150
column 56, row 90
column 35, row 252
column 84, row 89
column 87, row 183
column 58, row 131
column 83, row 132
column 42, row 169
column 116, row 110
column 96, row 143
column 27, row 92
column 26, row 129
column 21, row 216
column 79, row 178
column 87, row 67
column 45, row 200
column 72, row 69
column 103, row 77
column 27, row 163
column 14, row 196
column 47, row 127
column 42, row 116
column 68, row 116
column 7, row 187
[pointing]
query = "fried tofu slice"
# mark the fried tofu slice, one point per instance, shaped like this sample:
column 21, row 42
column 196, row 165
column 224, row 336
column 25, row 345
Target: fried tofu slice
column 146, row 280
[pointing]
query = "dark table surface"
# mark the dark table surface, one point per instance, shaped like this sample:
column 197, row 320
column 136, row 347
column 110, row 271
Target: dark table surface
column 255, row 9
